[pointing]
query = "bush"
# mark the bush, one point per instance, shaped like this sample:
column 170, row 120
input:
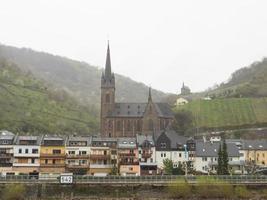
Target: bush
column 207, row 187
column 14, row 192
column 180, row 189
column 242, row 192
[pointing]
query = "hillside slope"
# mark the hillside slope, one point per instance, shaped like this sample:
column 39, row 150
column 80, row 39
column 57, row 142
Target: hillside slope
column 27, row 105
column 248, row 81
column 228, row 113
column 79, row 79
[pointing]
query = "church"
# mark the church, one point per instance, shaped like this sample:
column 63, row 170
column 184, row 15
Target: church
column 129, row 119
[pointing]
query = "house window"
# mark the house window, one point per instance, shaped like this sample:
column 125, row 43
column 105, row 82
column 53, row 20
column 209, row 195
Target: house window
column 46, row 161
column 71, row 152
column 54, row 161
column 26, row 150
column 204, row 159
column 163, row 145
column 180, row 155
column 32, row 160
column 34, row 151
column 56, row 151
column 151, row 160
column 20, row 150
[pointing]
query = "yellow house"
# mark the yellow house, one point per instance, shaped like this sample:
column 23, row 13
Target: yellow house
column 255, row 151
column 52, row 155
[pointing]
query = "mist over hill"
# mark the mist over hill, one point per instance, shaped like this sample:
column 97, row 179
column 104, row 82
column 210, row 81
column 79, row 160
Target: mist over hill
column 29, row 106
column 79, row 79
column 250, row 81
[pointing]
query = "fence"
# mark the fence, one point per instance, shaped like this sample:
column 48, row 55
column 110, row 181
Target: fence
column 140, row 180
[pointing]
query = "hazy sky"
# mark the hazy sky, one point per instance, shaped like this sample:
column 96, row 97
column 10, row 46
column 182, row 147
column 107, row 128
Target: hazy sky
column 160, row 43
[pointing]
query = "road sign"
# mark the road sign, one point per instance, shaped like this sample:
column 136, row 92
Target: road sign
column 66, row 179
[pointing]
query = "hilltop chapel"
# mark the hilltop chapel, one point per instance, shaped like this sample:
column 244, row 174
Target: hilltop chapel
column 129, row 119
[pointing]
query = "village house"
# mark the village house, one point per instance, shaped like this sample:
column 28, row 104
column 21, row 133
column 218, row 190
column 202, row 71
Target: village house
column 147, row 154
column 206, row 157
column 128, row 161
column 170, row 145
column 103, row 155
column 77, row 154
column 6, row 152
column 52, row 155
column 27, row 155
column 255, row 152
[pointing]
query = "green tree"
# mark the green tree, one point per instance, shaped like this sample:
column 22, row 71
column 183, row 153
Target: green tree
column 114, row 170
column 168, row 166
column 220, row 161
column 178, row 170
column 225, row 159
column 183, row 121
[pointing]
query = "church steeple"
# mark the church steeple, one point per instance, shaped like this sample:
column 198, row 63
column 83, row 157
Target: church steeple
column 108, row 64
column 108, row 78
column 149, row 94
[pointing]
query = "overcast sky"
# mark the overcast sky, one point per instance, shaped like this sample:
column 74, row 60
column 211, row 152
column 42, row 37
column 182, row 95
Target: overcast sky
column 159, row 43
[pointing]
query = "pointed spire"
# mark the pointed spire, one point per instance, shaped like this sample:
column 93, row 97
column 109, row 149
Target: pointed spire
column 149, row 95
column 108, row 63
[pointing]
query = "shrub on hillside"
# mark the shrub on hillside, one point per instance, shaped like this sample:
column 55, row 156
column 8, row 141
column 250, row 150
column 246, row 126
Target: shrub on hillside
column 242, row 192
column 14, row 192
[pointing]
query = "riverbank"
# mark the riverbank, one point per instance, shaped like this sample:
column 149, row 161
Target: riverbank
column 85, row 192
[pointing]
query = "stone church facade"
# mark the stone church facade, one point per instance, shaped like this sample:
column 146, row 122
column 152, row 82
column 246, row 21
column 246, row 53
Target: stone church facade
column 129, row 119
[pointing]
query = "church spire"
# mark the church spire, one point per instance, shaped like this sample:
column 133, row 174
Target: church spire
column 149, row 95
column 108, row 64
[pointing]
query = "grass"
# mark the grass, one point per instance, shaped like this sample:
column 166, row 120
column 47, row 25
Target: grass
column 232, row 112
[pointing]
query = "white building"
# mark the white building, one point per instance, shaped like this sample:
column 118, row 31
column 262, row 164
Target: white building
column 206, row 157
column 27, row 154
column 77, row 154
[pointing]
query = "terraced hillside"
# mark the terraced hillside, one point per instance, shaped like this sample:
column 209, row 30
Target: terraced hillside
column 27, row 105
column 228, row 113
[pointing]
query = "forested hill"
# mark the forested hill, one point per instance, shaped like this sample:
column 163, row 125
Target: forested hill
column 248, row 81
column 27, row 105
column 79, row 79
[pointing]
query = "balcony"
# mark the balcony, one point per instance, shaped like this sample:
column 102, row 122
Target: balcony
column 52, row 165
column 99, row 156
column 77, row 166
column 5, row 155
column 26, row 164
column 127, row 154
column 101, row 166
column 146, row 155
column 128, row 163
column 52, row 155
column 7, row 164
column 77, row 156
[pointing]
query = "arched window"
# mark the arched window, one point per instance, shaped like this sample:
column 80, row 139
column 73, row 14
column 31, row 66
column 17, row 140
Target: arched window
column 150, row 125
column 128, row 125
column 138, row 125
column 118, row 126
column 107, row 98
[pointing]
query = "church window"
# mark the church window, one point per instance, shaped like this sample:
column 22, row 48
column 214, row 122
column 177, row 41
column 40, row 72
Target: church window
column 138, row 125
column 118, row 126
column 128, row 125
column 150, row 125
column 107, row 98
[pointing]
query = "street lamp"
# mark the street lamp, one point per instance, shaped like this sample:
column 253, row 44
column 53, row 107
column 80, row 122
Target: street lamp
column 186, row 158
